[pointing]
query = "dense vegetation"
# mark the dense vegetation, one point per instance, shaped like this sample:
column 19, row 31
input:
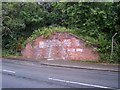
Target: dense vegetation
column 93, row 21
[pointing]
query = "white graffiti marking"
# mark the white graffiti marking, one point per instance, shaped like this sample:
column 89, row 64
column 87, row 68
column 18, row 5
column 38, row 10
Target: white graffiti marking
column 79, row 50
column 73, row 50
column 67, row 42
column 41, row 44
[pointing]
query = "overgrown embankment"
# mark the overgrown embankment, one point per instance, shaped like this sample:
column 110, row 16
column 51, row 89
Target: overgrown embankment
column 93, row 21
column 101, row 43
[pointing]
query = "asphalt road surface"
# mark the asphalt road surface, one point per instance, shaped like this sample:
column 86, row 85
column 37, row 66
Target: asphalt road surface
column 24, row 74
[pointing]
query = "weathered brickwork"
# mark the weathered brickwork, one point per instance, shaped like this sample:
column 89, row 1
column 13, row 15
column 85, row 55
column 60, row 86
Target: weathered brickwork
column 59, row 46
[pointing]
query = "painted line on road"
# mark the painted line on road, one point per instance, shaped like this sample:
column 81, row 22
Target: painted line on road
column 9, row 71
column 73, row 82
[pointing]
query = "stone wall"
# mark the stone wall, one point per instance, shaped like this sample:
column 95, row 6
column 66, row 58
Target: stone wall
column 59, row 46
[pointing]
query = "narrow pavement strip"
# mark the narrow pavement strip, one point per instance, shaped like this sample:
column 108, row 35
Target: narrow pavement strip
column 73, row 64
column 82, row 65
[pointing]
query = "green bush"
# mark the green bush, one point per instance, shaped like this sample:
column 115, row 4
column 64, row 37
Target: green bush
column 46, row 32
column 116, row 55
column 93, row 21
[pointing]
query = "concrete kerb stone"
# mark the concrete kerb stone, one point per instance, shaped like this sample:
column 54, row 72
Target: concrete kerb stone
column 66, row 66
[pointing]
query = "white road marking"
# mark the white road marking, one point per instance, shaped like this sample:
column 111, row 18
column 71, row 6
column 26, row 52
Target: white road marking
column 73, row 82
column 9, row 71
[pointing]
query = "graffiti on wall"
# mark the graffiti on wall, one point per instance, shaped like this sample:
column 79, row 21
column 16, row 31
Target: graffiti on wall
column 79, row 50
column 77, row 42
column 41, row 44
column 66, row 42
column 75, row 50
column 59, row 46
column 54, row 42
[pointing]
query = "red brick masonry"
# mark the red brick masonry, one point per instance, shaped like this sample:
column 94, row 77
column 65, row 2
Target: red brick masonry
column 59, row 46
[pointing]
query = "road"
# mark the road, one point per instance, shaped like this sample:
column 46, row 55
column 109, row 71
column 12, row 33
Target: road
column 24, row 74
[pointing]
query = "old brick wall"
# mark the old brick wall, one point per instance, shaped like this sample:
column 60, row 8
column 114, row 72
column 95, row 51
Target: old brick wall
column 59, row 46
